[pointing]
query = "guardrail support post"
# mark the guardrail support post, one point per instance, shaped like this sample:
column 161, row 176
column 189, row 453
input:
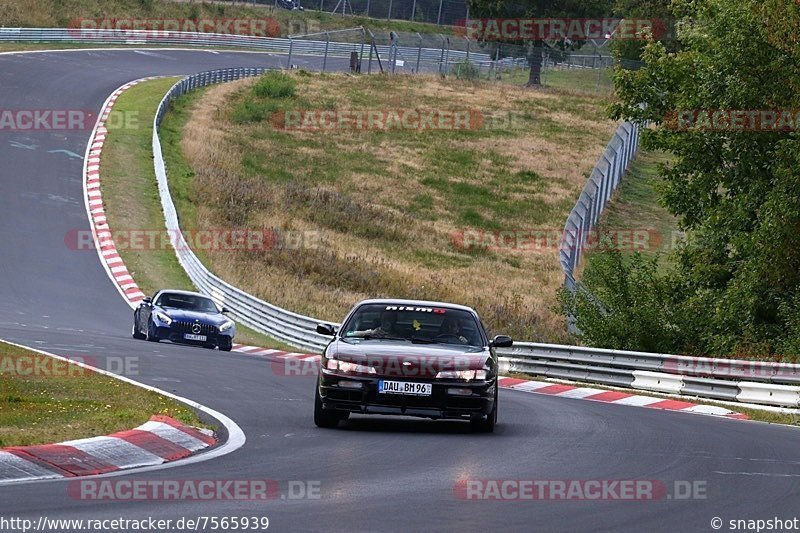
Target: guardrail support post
column 327, row 43
column 289, row 60
column 419, row 52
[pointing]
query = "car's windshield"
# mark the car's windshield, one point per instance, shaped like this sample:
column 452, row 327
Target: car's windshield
column 189, row 302
column 413, row 323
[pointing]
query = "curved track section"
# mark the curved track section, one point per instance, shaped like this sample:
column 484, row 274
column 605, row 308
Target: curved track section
column 374, row 474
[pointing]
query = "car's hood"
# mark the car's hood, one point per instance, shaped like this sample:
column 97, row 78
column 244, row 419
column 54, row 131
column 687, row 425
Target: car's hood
column 389, row 357
column 185, row 315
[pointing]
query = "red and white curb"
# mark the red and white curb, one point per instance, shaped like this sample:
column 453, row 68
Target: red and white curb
column 103, row 240
column 616, row 397
column 551, row 389
column 157, row 441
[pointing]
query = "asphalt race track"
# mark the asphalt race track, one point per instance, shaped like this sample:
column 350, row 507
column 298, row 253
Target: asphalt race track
column 374, row 474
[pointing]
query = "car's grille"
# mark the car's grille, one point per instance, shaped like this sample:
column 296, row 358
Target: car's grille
column 186, row 327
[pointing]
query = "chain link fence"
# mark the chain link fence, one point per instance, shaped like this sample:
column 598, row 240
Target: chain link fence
column 440, row 12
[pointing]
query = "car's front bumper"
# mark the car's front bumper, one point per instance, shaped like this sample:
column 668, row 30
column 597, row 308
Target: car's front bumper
column 340, row 393
column 177, row 335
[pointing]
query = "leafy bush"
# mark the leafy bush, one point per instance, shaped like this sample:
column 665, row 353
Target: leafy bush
column 625, row 305
column 465, row 70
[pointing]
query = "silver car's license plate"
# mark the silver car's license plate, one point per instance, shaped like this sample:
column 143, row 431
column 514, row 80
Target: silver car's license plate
column 404, row 387
column 192, row 337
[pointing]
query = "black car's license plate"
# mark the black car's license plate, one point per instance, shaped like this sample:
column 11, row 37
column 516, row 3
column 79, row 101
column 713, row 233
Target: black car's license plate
column 404, row 387
column 192, row 337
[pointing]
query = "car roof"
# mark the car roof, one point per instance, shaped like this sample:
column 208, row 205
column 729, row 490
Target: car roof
column 422, row 303
column 185, row 293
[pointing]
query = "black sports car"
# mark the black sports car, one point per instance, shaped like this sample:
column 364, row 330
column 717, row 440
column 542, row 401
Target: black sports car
column 412, row 358
column 186, row 317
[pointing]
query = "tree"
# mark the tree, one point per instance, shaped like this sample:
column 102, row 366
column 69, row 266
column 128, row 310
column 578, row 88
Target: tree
column 736, row 191
column 658, row 10
column 533, row 9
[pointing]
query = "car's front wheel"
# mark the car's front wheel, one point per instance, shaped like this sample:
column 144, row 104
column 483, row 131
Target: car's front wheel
column 486, row 424
column 136, row 334
column 151, row 333
column 225, row 345
column 323, row 418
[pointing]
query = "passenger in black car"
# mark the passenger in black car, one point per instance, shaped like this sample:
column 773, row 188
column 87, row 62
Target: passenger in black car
column 387, row 327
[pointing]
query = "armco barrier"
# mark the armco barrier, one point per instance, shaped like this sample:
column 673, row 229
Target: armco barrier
column 267, row 44
column 724, row 379
column 603, row 180
column 769, row 394
column 657, row 381
column 296, row 330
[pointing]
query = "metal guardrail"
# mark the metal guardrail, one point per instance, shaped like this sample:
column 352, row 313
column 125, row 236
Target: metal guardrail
column 267, row 44
column 775, row 384
column 292, row 328
column 768, row 383
column 604, row 178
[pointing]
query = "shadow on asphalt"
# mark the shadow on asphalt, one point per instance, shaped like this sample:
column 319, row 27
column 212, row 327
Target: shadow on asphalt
column 377, row 424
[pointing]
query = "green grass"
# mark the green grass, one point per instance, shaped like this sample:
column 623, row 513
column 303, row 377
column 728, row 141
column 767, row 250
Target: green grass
column 387, row 203
column 576, row 80
column 130, row 192
column 68, row 402
column 635, row 207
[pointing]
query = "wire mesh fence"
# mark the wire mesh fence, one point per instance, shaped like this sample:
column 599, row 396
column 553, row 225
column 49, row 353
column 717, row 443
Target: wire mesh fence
column 441, row 12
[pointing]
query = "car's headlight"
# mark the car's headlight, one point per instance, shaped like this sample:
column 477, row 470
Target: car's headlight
column 161, row 317
column 226, row 326
column 467, row 375
column 348, row 368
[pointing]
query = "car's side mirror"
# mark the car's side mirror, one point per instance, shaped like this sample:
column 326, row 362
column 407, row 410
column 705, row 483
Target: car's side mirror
column 225, row 310
column 147, row 300
column 326, row 329
column 502, row 341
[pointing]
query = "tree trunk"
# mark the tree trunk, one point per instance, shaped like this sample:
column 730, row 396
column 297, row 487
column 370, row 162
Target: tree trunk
column 535, row 60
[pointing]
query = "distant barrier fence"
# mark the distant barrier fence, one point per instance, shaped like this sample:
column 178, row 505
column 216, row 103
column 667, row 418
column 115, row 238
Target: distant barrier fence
column 322, row 46
column 603, row 180
column 292, row 328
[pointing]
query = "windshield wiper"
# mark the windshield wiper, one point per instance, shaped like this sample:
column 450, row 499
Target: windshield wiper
column 423, row 340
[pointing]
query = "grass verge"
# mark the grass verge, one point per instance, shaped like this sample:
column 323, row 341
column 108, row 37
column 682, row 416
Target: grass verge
column 635, row 207
column 389, row 212
column 132, row 203
column 43, row 400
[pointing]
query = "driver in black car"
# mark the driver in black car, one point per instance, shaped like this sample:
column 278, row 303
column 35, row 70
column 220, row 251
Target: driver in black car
column 451, row 328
